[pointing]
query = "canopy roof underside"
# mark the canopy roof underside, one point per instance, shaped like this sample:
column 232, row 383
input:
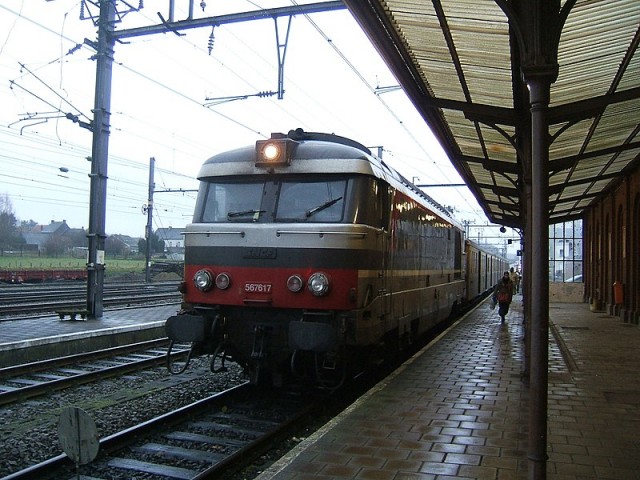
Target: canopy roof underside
column 460, row 62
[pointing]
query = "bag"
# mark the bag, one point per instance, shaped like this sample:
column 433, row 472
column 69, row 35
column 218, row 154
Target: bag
column 503, row 297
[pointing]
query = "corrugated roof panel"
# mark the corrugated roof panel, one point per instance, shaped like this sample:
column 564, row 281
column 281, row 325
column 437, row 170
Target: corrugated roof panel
column 589, row 168
column 599, row 186
column 631, row 76
column 482, row 176
column 442, row 80
column 570, row 141
column 592, row 46
column 418, row 24
column 577, row 187
column 482, row 46
column 474, row 10
column 617, row 125
column 502, row 179
column 619, row 162
column 558, row 178
column 465, row 133
column 563, row 206
column 498, row 147
column 587, row 174
column 487, row 193
column 599, row 64
column 488, row 85
column 427, row 41
column 584, row 202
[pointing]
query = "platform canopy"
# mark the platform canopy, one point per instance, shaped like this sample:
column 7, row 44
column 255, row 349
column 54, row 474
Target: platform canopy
column 462, row 62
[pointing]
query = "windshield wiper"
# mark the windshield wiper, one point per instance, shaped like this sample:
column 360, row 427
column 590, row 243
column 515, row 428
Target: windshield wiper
column 245, row 212
column 322, row 207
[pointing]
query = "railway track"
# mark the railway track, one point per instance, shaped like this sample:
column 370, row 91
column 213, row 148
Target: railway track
column 45, row 298
column 203, row 440
column 21, row 382
column 217, row 437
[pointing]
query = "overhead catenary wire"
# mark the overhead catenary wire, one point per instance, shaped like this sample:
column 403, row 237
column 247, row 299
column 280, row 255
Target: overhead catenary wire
column 196, row 148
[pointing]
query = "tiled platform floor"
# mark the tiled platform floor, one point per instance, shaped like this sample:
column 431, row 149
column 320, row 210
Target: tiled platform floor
column 458, row 409
column 51, row 329
column 33, row 339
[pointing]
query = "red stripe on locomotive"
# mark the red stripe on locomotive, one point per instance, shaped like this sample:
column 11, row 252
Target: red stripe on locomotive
column 249, row 288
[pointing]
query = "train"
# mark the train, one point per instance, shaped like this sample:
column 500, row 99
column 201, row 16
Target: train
column 308, row 257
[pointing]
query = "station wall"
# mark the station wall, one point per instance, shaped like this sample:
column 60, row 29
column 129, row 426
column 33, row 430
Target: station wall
column 566, row 292
column 612, row 251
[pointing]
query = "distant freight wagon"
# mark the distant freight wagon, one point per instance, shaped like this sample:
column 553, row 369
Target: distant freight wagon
column 37, row 276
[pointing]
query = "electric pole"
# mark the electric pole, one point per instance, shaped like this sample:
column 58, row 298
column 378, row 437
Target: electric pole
column 99, row 156
column 149, row 229
column 107, row 36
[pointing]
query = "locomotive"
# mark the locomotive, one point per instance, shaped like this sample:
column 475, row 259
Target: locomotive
column 308, row 257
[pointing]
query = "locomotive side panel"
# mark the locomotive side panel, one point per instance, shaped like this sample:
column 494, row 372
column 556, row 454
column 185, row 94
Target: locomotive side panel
column 426, row 277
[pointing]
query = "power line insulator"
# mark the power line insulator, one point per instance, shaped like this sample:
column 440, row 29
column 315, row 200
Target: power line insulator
column 72, row 117
column 203, row 5
column 211, row 40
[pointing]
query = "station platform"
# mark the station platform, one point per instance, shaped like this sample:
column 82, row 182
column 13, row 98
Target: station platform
column 459, row 408
column 38, row 338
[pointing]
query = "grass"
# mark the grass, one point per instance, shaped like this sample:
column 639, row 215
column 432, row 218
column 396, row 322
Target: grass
column 116, row 266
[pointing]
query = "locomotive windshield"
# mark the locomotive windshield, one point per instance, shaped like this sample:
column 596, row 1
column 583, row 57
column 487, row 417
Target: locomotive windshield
column 232, row 201
column 311, row 201
column 280, row 199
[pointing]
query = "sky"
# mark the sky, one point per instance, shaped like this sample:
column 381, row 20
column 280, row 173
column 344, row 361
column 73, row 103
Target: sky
column 161, row 108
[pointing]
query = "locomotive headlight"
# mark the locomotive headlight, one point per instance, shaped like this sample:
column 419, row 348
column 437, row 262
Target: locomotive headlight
column 203, row 280
column 223, row 280
column 295, row 283
column 271, row 152
column 274, row 152
column 318, row 284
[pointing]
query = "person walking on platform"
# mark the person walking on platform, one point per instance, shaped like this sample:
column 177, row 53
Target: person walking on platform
column 503, row 294
column 515, row 279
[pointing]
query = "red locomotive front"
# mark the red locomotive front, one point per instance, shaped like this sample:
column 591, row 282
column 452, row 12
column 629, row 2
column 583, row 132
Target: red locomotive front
column 277, row 255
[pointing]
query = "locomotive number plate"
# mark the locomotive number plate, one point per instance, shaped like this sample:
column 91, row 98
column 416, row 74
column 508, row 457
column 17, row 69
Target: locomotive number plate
column 257, row 287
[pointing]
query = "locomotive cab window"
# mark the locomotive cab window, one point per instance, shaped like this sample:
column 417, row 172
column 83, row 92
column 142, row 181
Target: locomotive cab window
column 316, row 201
column 232, row 202
column 280, row 199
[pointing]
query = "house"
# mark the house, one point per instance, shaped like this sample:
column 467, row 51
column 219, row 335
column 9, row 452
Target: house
column 173, row 239
column 124, row 243
column 53, row 228
column 42, row 235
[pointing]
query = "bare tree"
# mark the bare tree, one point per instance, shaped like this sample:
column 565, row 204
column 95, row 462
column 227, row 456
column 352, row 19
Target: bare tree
column 9, row 235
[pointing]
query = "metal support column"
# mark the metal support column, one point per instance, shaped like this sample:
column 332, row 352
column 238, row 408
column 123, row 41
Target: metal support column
column 526, row 288
column 539, row 87
column 99, row 159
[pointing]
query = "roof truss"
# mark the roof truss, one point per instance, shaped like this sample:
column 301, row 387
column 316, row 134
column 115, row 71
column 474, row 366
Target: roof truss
column 462, row 63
